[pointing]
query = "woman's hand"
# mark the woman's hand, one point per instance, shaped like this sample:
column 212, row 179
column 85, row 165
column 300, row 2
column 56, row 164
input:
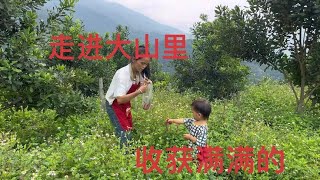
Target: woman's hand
column 143, row 88
column 146, row 106
column 147, row 81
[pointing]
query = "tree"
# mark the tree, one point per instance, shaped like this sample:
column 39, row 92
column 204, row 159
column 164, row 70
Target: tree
column 25, row 75
column 314, row 68
column 210, row 70
column 284, row 35
column 96, row 68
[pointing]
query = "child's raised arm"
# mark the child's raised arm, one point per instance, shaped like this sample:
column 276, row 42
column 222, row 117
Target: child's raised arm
column 176, row 121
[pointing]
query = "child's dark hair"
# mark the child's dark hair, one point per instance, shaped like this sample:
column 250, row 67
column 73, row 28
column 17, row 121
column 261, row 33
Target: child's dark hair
column 202, row 106
column 146, row 70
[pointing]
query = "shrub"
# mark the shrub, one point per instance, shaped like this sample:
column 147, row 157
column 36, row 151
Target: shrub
column 30, row 126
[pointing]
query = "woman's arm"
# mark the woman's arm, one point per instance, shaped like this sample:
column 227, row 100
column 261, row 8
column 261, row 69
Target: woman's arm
column 126, row 98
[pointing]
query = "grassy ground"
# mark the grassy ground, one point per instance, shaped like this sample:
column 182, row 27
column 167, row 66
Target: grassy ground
column 38, row 145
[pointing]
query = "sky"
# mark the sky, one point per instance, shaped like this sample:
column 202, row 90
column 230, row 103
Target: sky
column 181, row 14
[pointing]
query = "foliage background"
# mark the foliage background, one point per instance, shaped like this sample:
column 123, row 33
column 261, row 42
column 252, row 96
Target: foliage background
column 52, row 127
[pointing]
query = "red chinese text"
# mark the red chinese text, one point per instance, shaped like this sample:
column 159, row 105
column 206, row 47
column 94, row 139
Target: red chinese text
column 91, row 46
column 210, row 158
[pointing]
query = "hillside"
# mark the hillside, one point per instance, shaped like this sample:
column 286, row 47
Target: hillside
column 103, row 16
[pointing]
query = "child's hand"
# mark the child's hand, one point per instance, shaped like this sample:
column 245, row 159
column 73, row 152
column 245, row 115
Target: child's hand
column 169, row 121
column 187, row 136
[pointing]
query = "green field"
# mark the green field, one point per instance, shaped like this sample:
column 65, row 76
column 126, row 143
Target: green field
column 41, row 145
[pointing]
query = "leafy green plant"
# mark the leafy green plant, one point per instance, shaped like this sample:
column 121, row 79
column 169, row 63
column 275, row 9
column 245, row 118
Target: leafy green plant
column 84, row 145
column 30, row 126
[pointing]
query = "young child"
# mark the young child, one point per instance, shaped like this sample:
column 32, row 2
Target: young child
column 197, row 126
